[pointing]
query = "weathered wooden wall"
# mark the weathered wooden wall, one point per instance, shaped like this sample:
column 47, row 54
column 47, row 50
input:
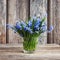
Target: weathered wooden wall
column 13, row 10
column 21, row 9
column 2, row 21
column 17, row 9
column 54, row 19
column 57, row 22
column 10, row 12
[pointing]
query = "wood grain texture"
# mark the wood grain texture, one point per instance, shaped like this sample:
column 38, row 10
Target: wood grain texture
column 54, row 19
column 22, row 9
column 50, row 36
column 11, row 19
column 43, row 52
column 17, row 10
column 2, row 21
column 57, row 22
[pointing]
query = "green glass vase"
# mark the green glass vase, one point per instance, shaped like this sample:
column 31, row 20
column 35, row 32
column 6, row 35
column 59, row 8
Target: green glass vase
column 30, row 44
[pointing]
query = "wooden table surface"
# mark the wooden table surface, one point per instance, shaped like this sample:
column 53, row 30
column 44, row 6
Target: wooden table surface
column 43, row 52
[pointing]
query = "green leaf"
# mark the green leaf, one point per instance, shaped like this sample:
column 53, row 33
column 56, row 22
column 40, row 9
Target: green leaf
column 42, row 21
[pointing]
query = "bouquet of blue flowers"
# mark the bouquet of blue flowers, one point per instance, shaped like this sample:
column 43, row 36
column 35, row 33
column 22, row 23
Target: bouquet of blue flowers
column 30, row 31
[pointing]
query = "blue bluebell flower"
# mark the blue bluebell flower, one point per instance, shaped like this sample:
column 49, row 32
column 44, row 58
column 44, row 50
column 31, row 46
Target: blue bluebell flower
column 28, row 29
column 50, row 29
column 44, row 28
column 38, row 21
column 23, row 24
column 36, row 27
column 18, row 26
column 10, row 26
column 29, row 23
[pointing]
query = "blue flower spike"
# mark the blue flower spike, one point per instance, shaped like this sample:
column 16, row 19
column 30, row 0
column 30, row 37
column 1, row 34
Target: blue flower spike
column 29, row 23
column 44, row 28
column 38, row 21
column 23, row 23
column 36, row 28
column 28, row 29
column 18, row 26
column 50, row 29
column 9, row 26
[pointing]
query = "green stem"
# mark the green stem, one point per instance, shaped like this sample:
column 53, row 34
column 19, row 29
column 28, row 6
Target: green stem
column 30, row 43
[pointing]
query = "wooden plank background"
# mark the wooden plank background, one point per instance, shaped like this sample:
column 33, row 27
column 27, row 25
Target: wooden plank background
column 17, row 9
column 2, row 21
column 10, row 12
column 54, row 19
column 13, row 10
